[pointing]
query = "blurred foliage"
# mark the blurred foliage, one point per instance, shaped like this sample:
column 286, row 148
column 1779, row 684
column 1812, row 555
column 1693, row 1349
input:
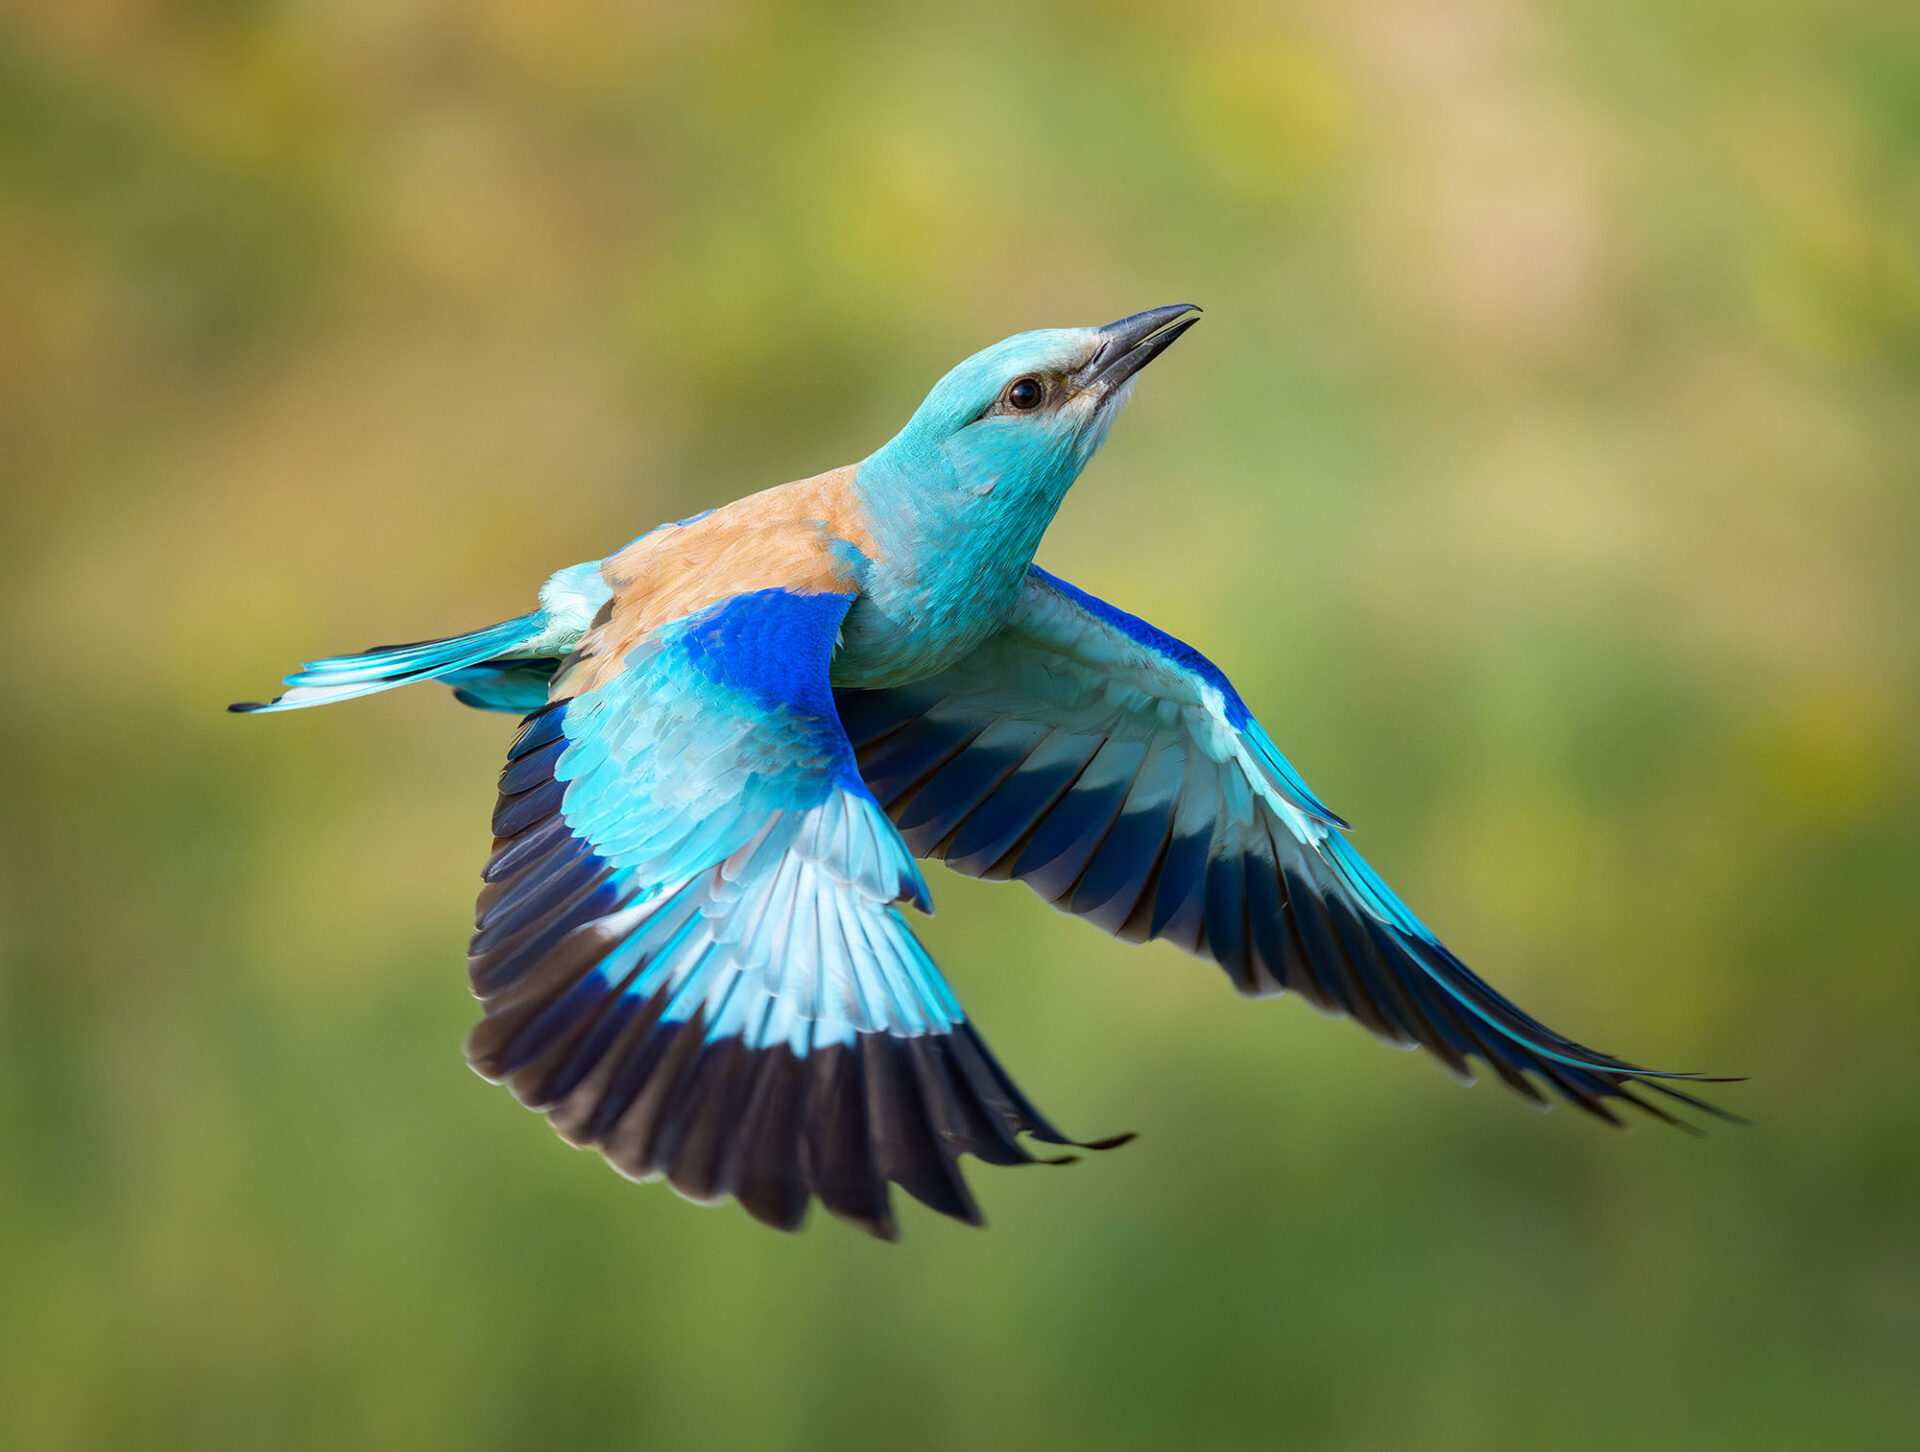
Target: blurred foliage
column 1544, row 471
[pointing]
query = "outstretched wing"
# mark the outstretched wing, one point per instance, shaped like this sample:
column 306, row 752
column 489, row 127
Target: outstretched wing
column 689, row 946
column 1116, row 771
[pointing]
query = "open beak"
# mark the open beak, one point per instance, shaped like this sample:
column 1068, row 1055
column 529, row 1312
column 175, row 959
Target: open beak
column 1131, row 344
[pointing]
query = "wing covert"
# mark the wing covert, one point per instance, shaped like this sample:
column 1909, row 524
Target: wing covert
column 1118, row 773
column 689, row 945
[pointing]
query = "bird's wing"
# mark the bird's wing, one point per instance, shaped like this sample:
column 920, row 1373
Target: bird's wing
column 689, row 945
column 1116, row 771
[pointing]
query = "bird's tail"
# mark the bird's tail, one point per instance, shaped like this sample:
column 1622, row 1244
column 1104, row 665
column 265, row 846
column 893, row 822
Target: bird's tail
column 342, row 677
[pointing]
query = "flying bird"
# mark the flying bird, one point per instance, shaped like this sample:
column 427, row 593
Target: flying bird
column 742, row 730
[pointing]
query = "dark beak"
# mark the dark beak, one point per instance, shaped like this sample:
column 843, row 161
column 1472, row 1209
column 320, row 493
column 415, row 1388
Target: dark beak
column 1132, row 343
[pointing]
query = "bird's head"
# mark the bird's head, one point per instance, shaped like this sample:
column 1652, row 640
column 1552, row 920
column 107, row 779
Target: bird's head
column 1015, row 423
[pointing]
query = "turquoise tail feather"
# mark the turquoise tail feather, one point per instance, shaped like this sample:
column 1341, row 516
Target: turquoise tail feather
column 341, row 678
column 517, row 687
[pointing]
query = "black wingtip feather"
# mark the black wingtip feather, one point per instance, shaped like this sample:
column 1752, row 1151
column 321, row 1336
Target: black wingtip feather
column 701, row 1154
column 910, row 1153
column 771, row 1185
column 771, row 1128
column 837, row 1143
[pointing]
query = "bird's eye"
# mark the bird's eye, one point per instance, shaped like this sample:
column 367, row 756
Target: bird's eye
column 1025, row 394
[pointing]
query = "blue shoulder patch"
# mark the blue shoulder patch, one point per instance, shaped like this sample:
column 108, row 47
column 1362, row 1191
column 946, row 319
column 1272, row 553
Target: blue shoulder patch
column 1189, row 659
column 1156, row 640
column 771, row 646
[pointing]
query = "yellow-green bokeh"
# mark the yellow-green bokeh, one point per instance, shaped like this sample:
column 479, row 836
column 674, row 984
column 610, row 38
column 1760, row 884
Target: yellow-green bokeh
column 1545, row 473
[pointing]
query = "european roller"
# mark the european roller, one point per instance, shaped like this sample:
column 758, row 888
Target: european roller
column 742, row 730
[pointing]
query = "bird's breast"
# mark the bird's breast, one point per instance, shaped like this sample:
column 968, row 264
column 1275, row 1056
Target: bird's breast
column 893, row 637
column 939, row 572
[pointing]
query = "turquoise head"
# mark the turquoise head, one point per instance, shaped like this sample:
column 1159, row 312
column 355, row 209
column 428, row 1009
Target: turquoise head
column 986, row 459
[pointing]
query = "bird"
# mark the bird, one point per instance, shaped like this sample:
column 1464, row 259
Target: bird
column 744, row 730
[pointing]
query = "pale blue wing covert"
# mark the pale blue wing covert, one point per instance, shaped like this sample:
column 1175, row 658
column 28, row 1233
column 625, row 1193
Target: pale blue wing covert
column 1117, row 772
column 690, row 946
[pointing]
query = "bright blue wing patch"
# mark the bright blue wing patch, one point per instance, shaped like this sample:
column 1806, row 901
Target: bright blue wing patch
column 690, row 946
column 1176, row 652
column 1116, row 771
column 1181, row 656
column 715, row 726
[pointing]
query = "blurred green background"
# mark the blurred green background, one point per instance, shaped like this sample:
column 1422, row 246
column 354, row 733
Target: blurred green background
column 1544, row 472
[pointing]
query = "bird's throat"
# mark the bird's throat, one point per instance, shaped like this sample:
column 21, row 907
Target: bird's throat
column 946, row 572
